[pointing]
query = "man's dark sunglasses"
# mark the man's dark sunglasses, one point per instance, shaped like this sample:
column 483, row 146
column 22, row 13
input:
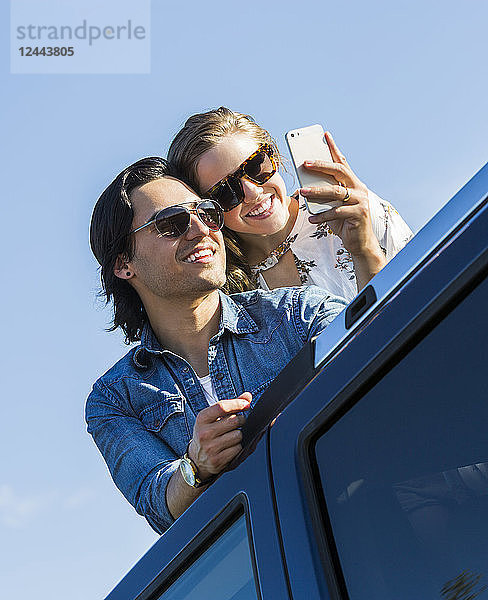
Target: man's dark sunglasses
column 258, row 168
column 175, row 220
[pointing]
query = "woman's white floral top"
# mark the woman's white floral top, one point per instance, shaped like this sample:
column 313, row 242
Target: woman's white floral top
column 320, row 256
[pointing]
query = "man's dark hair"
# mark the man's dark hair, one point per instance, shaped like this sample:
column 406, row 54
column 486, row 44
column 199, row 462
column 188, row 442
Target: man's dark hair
column 110, row 227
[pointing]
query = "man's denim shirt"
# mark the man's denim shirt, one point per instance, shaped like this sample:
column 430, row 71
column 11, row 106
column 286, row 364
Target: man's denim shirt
column 141, row 412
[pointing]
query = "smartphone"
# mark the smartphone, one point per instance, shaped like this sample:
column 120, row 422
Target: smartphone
column 309, row 143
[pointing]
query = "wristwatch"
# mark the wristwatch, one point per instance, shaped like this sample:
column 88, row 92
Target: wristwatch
column 189, row 472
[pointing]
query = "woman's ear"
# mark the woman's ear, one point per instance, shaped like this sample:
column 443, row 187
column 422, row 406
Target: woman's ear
column 122, row 268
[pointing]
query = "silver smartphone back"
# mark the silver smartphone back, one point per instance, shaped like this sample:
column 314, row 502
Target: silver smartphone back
column 309, row 143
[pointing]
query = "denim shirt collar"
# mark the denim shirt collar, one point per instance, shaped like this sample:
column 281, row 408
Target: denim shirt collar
column 232, row 317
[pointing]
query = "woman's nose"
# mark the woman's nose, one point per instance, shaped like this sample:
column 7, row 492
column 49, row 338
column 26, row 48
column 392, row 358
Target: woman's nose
column 252, row 191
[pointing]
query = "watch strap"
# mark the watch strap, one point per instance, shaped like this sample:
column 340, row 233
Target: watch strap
column 198, row 481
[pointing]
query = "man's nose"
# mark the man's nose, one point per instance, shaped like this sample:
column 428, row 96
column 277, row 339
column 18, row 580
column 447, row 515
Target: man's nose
column 252, row 191
column 197, row 228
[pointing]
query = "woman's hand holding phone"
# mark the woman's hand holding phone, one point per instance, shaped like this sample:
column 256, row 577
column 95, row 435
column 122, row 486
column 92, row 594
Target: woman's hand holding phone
column 351, row 221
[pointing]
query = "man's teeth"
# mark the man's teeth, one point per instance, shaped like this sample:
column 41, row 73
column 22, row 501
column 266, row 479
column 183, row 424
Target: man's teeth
column 265, row 206
column 196, row 255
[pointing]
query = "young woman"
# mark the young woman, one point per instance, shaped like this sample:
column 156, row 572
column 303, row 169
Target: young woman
column 272, row 240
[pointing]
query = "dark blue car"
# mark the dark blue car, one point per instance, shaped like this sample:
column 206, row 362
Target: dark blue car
column 372, row 483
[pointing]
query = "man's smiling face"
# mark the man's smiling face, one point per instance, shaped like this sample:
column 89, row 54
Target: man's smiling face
column 187, row 266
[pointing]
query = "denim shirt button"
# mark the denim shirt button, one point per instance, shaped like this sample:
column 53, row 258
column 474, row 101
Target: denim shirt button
column 219, row 376
column 185, row 369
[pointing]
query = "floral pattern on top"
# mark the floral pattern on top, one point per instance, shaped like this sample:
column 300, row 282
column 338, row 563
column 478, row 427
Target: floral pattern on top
column 345, row 262
column 322, row 231
column 320, row 256
column 304, row 267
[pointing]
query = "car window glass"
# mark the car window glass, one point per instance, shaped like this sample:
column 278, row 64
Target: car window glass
column 404, row 472
column 223, row 572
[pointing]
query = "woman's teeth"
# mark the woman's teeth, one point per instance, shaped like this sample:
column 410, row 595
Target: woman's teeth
column 264, row 207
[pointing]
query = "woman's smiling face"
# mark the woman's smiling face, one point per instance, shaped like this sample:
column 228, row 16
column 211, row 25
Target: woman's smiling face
column 265, row 208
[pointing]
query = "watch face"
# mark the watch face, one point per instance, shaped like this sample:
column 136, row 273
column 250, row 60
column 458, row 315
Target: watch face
column 187, row 472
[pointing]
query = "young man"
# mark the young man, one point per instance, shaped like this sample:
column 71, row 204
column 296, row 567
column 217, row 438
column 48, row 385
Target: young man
column 167, row 416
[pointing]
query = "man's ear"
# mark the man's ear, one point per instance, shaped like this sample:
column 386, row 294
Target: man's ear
column 122, row 268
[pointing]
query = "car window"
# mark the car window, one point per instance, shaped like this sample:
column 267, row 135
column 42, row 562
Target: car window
column 404, row 472
column 222, row 572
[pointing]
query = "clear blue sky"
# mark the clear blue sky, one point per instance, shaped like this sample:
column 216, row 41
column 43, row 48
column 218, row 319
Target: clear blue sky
column 401, row 85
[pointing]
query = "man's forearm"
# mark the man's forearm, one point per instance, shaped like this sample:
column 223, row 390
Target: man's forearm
column 179, row 495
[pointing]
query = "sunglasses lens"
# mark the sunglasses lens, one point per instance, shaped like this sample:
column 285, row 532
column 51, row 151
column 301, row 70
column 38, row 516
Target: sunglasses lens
column 173, row 221
column 211, row 214
column 260, row 168
column 229, row 193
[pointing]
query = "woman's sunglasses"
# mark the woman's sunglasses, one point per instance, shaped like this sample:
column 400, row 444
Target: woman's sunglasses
column 258, row 168
column 174, row 221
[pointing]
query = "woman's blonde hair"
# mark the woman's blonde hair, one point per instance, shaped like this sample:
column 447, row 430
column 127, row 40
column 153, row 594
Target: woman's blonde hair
column 200, row 133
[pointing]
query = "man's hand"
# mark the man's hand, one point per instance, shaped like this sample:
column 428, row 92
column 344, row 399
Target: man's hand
column 216, row 435
column 216, row 441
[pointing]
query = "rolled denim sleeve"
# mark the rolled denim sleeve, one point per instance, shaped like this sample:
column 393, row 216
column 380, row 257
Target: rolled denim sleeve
column 139, row 462
column 314, row 310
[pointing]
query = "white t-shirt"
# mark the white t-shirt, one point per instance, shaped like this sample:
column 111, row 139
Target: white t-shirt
column 320, row 255
column 208, row 389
